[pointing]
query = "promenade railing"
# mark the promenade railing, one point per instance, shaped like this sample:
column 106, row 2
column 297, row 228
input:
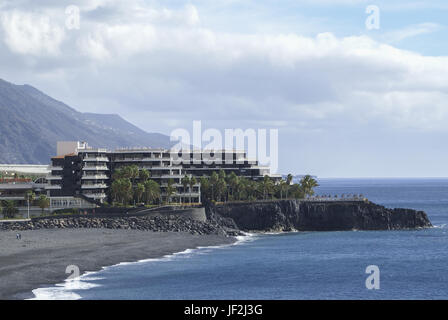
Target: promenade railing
column 309, row 199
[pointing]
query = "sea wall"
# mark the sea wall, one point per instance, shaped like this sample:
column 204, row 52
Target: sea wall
column 169, row 212
column 288, row 215
column 197, row 214
column 144, row 223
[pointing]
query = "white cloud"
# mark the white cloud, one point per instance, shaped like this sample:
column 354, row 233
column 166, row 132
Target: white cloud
column 162, row 67
column 410, row 32
column 30, row 33
column 306, row 78
column 312, row 78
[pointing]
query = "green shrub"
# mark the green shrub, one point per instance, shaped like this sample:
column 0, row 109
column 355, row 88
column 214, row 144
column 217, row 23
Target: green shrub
column 68, row 211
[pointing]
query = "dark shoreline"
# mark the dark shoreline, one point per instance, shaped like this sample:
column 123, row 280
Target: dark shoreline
column 49, row 245
column 41, row 257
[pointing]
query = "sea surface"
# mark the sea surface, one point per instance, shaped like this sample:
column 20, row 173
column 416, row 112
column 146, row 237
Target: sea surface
column 304, row 265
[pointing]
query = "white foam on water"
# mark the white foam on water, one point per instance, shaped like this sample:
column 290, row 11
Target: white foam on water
column 280, row 232
column 64, row 291
column 247, row 237
column 92, row 278
column 55, row 293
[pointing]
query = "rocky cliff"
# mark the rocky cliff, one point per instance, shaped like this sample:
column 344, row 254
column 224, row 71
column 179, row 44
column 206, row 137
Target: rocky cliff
column 228, row 219
column 288, row 215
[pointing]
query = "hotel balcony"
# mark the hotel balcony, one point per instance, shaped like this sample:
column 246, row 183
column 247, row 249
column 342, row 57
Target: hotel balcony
column 171, row 176
column 163, row 167
column 55, row 168
column 10, row 197
column 138, row 159
column 53, row 187
column 53, row 177
column 189, row 194
column 95, row 168
column 178, row 185
column 94, row 186
column 175, row 185
column 96, row 159
column 95, row 177
column 95, row 195
column 153, row 159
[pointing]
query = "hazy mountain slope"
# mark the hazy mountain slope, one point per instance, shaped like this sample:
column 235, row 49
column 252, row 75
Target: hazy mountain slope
column 31, row 123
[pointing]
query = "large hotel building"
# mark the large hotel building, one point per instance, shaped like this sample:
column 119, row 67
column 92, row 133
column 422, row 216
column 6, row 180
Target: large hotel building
column 79, row 171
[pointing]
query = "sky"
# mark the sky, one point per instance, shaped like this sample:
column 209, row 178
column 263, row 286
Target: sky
column 347, row 100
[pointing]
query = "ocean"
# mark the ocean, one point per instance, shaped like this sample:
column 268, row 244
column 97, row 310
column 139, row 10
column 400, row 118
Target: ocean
column 302, row 265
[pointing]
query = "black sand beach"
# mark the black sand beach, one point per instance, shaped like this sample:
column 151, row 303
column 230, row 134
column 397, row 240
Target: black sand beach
column 41, row 257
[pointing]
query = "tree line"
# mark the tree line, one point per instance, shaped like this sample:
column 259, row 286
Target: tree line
column 131, row 185
column 9, row 207
column 231, row 187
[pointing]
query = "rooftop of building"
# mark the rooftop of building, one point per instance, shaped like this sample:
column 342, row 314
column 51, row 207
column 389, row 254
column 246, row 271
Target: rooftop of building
column 63, row 156
column 148, row 149
column 34, row 169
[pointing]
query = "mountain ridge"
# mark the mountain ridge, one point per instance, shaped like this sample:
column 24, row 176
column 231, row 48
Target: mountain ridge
column 31, row 122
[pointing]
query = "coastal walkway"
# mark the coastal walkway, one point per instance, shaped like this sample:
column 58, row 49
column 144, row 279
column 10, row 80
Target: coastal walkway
column 13, row 220
column 359, row 198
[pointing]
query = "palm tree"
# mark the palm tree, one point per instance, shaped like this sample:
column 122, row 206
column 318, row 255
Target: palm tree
column 289, row 178
column 118, row 174
column 134, row 174
column 152, row 191
column 185, row 183
column 144, row 175
column 43, row 202
column 139, row 191
column 282, row 186
column 115, row 186
column 255, row 189
column 10, row 210
column 213, row 184
column 29, row 197
column 205, row 188
column 233, row 181
column 221, row 187
column 170, row 190
column 308, row 183
column 222, row 174
column 243, row 189
column 121, row 190
column 130, row 172
column 267, row 185
column 221, row 184
column 193, row 181
column 297, row 191
column 252, row 189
